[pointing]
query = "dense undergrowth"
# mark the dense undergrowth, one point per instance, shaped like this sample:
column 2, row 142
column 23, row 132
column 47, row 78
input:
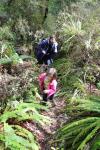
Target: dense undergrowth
column 79, row 73
column 19, row 102
column 77, row 26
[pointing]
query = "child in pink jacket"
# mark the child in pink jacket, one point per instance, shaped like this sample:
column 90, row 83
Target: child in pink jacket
column 48, row 84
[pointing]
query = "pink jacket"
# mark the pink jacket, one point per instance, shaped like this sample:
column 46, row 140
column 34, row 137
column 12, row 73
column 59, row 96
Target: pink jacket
column 51, row 87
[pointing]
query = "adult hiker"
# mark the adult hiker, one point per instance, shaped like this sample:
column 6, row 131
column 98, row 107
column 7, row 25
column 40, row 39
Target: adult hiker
column 47, row 50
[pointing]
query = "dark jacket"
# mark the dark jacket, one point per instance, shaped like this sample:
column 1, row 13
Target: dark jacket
column 50, row 49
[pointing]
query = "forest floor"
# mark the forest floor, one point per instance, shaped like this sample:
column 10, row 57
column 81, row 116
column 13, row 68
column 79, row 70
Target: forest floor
column 45, row 134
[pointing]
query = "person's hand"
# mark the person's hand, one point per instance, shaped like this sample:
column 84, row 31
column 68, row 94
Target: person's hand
column 43, row 52
column 45, row 91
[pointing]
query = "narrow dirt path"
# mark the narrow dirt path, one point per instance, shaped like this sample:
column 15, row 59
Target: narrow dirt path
column 58, row 117
column 45, row 134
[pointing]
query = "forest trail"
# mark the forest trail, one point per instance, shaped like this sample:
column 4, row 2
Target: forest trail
column 45, row 134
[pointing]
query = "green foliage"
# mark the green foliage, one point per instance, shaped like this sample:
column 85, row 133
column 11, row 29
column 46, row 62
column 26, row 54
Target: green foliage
column 64, row 69
column 80, row 48
column 69, row 76
column 96, row 143
column 88, row 104
column 54, row 6
column 24, row 57
column 5, row 33
column 1, row 8
column 9, row 55
column 5, row 61
column 15, row 136
column 77, row 24
column 7, row 49
column 78, row 133
column 15, row 59
column 22, row 112
column 79, row 45
column 98, row 85
column 29, row 14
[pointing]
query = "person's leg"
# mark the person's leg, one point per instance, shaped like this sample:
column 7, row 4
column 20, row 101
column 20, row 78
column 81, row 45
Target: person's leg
column 49, row 59
column 40, row 62
column 44, row 100
column 45, row 60
column 51, row 100
column 51, row 97
column 48, row 62
column 45, row 97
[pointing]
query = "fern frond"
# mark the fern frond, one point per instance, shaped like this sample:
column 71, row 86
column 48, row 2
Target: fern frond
column 89, row 105
column 79, row 122
column 71, row 132
column 15, row 136
column 27, row 135
column 84, row 132
column 4, row 61
column 84, row 129
column 96, row 142
column 25, row 111
column 25, row 57
column 14, row 141
column 89, row 136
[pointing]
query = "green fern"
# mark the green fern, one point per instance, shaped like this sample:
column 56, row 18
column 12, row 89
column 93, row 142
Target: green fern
column 96, row 142
column 5, row 33
column 89, row 137
column 4, row 61
column 84, row 132
column 14, row 59
column 88, row 104
column 80, row 132
column 16, row 137
column 22, row 113
column 25, row 57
